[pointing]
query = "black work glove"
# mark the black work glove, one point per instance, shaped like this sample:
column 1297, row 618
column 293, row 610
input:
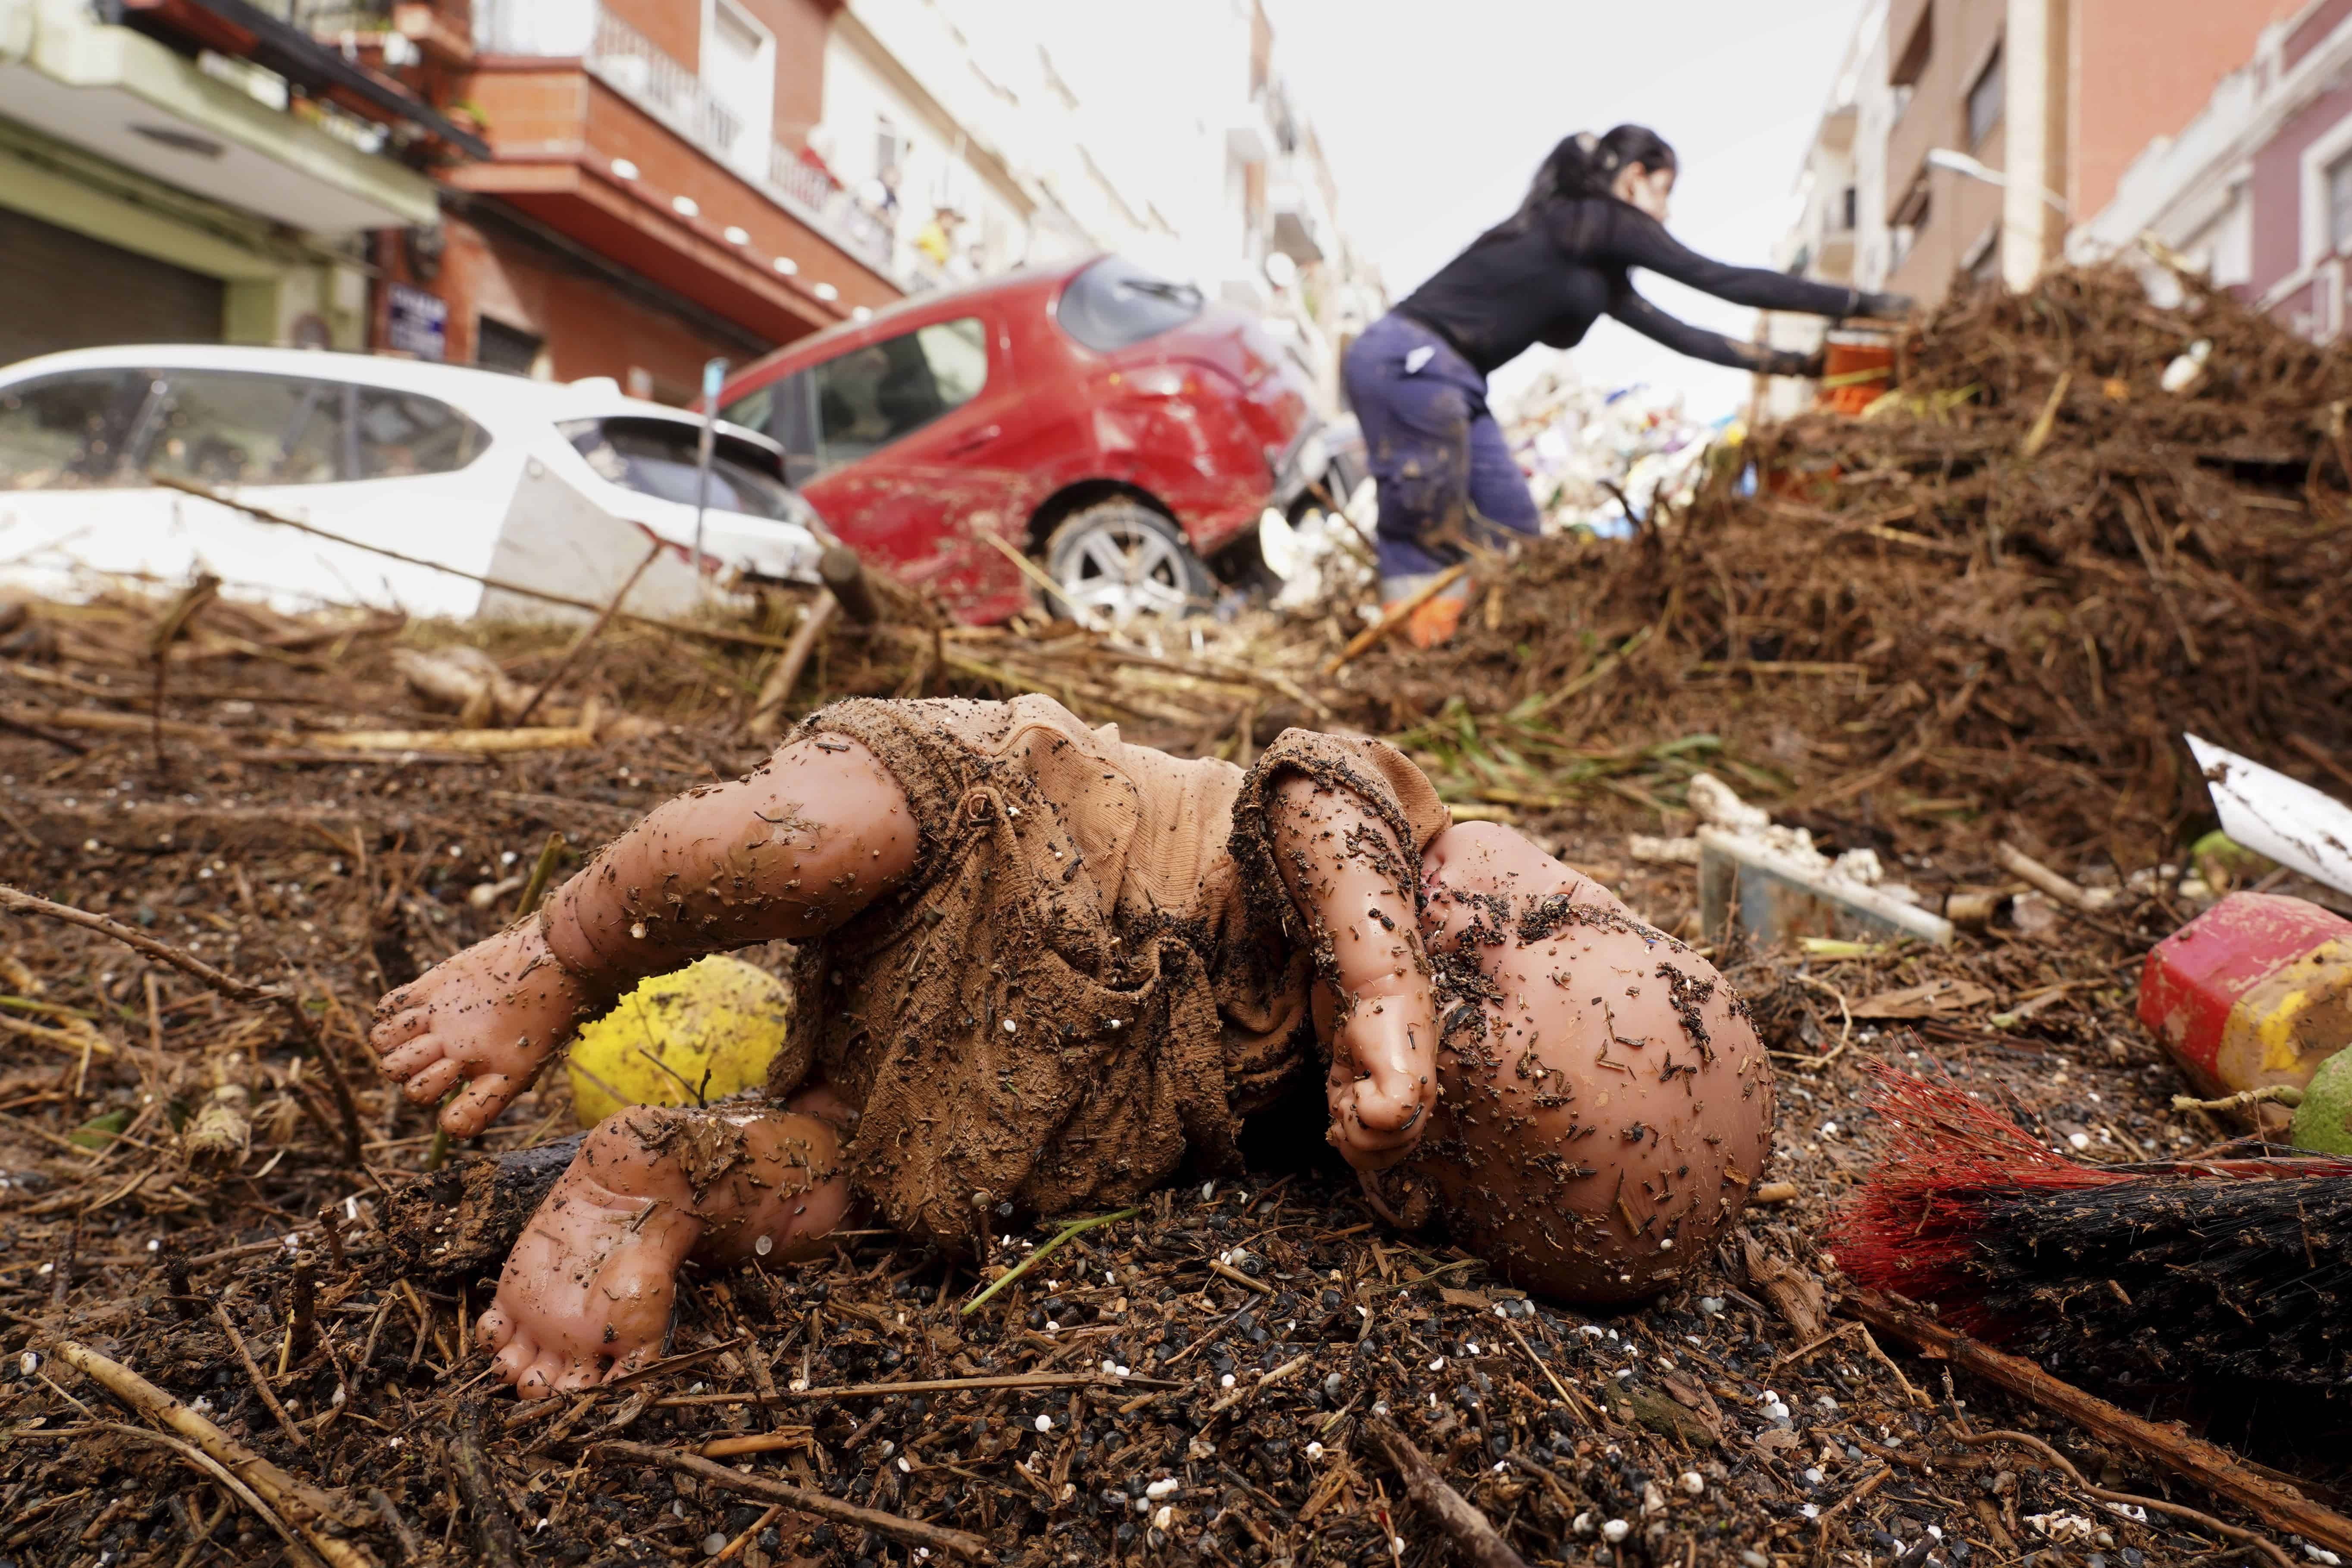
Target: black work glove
column 1788, row 361
column 1885, row 307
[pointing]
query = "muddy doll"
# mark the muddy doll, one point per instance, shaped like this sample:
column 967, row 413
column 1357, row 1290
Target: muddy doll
column 1041, row 970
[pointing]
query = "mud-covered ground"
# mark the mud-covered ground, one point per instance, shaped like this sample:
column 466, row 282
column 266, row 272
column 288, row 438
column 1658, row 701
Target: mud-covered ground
column 1190, row 1383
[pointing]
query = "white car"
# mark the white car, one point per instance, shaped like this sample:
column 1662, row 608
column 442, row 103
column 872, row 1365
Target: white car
column 562, row 487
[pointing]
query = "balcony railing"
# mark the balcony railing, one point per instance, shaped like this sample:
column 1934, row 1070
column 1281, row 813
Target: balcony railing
column 625, row 60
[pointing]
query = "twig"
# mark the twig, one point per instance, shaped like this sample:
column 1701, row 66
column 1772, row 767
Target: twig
column 543, row 872
column 1568, row 1396
column 168, row 629
column 2198, row 1461
column 682, row 628
column 1473, row 1536
column 35, row 732
column 925, row 1385
column 411, row 1548
column 260, row 1383
column 777, row 689
column 1026, row 1264
column 1227, row 1271
column 2153, row 1505
column 895, row 1527
column 501, row 1545
column 302, row 1505
column 1396, row 615
column 214, row 1469
column 579, row 644
column 287, row 1000
column 2026, row 868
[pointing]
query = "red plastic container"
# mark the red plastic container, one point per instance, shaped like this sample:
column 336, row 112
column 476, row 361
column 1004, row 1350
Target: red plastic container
column 2257, row 990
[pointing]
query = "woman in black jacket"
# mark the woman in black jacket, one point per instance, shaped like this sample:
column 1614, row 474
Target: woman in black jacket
column 1417, row 379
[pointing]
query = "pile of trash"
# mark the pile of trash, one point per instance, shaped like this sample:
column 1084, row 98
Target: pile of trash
column 1600, row 461
column 1997, row 600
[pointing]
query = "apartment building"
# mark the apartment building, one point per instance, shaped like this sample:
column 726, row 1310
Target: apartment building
column 1204, row 167
column 2256, row 190
column 1989, row 128
column 199, row 170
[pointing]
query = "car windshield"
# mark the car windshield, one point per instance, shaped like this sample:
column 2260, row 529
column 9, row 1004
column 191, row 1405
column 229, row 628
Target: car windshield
column 660, row 457
column 1115, row 304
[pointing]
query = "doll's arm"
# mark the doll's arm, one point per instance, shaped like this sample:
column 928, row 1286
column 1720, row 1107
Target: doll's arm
column 1350, row 880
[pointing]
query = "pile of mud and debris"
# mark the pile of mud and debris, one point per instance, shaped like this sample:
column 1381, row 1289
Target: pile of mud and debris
column 1991, row 625
column 1995, row 601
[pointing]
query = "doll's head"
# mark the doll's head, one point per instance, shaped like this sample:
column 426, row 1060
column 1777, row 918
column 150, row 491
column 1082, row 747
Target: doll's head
column 1605, row 1107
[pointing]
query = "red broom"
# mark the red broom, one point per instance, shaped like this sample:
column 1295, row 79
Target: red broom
column 2171, row 1271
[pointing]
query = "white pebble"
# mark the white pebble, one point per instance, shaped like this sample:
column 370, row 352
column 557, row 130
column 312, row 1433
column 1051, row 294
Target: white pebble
column 1161, row 1488
column 1694, row 1483
column 1164, row 1518
column 764, row 1246
column 28, row 1363
column 1826, row 1403
column 904, row 1467
column 1226, row 1381
column 1584, row 1525
column 1437, row 1365
column 1616, row 1530
column 1045, row 1424
column 1812, row 1510
column 2321, row 1556
column 1711, row 1305
column 1314, row 1451
column 1471, row 1348
column 1591, row 1330
column 1011, row 1027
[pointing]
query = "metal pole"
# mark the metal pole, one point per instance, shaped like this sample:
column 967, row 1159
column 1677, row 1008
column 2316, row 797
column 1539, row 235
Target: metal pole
column 714, row 376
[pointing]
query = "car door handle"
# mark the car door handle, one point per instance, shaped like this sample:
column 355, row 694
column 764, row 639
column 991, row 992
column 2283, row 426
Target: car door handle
column 975, row 441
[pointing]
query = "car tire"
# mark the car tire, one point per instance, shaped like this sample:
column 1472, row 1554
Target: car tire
column 1119, row 561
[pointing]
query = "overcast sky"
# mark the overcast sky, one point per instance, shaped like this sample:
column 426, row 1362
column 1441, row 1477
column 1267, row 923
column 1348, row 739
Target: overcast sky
column 1433, row 118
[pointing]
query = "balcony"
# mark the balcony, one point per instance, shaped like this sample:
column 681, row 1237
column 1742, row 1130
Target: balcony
column 614, row 143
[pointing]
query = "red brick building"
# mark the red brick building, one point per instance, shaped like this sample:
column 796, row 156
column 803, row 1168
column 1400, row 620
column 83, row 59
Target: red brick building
column 649, row 202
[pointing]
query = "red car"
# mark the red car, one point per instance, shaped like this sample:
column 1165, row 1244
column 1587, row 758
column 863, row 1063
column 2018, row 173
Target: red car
column 1117, row 427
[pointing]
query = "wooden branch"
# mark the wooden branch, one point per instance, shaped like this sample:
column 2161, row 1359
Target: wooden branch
column 1372, row 635
column 305, row 1507
column 579, row 644
column 2204, row 1463
column 2026, row 868
column 777, row 689
column 1476, row 1539
column 501, row 1545
column 894, row 1527
column 844, row 575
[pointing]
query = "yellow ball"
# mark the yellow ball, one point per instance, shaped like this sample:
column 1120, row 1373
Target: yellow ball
column 699, row 1033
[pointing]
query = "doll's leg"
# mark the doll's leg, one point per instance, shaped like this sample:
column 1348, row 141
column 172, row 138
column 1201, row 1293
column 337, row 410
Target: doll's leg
column 587, row 1290
column 815, row 835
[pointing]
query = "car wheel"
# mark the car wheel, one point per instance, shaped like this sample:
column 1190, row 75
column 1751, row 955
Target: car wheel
column 1119, row 561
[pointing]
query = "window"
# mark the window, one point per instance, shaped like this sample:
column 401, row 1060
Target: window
column 497, row 346
column 786, row 412
column 2339, row 204
column 1985, row 100
column 398, row 433
column 1848, row 208
column 738, row 67
column 661, row 457
column 1115, row 304
column 66, row 431
column 872, row 395
column 231, row 427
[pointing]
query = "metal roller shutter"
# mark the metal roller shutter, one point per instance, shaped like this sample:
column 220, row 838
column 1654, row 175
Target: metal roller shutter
column 59, row 289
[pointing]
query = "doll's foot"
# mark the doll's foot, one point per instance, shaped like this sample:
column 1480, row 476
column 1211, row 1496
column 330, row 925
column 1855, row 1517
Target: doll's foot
column 587, row 1292
column 491, row 1017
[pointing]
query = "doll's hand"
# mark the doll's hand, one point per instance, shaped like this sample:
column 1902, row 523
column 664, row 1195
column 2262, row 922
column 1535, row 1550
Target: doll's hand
column 1383, row 1078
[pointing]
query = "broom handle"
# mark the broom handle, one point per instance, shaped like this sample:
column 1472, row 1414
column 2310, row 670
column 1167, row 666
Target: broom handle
column 2208, row 1465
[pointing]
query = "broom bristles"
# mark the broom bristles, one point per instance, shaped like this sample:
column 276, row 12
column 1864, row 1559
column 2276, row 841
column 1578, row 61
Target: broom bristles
column 1946, row 1153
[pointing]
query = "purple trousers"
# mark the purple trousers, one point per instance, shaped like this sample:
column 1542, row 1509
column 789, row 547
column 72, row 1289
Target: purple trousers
column 1445, row 475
